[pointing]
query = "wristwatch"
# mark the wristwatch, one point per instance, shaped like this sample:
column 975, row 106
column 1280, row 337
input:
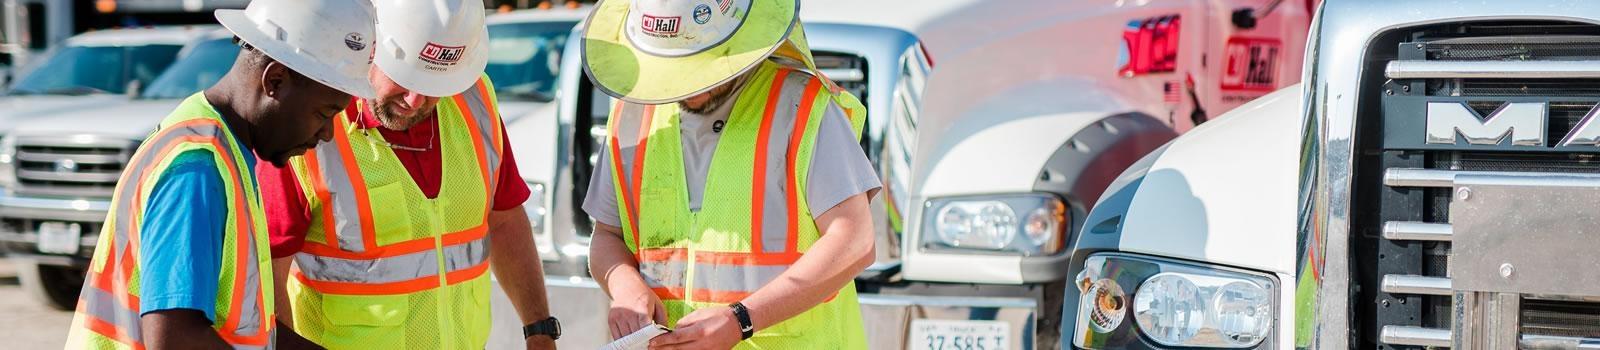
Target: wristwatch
column 741, row 313
column 549, row 326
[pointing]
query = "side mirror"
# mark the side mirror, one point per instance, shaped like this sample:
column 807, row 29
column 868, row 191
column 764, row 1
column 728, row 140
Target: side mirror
column 132, row 89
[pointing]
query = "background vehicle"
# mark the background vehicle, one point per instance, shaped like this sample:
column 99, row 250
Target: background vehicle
column 525, row 51
column 998, row 146
column 1431, row 185
column 58, row 165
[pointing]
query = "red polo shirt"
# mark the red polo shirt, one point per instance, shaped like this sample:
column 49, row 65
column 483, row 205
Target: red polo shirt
column 285, row 203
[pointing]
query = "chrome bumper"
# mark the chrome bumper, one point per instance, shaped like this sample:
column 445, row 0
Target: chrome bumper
column 582, row 306
column 19, row 218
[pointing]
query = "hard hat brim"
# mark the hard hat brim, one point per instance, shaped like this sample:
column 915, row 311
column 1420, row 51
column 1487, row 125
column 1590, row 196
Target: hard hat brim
column 245, row 29
column 433, row 84
column 625, row 72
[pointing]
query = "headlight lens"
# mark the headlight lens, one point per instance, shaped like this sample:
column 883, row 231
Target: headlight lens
column 8, row 161
column 993, row 223
column 1175, row 304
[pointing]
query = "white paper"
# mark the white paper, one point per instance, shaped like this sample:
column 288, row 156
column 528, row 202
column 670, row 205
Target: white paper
column 639, row 340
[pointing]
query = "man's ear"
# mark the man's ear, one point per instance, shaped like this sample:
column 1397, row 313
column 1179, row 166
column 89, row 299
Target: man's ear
column 274, row 79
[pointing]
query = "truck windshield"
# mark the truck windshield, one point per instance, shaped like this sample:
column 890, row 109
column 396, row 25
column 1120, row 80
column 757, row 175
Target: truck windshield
column 204, row 64
column 82, row 70
column 524, row 58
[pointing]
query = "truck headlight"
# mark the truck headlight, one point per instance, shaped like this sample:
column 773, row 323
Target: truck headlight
column 1030, row 224
column 1175, row 304
column 8, row 161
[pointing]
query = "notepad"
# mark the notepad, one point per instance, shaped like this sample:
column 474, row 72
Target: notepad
column 639, row 340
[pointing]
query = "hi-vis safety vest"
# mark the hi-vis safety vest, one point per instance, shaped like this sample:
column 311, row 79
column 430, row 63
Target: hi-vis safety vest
column 108, row 308
column 753, row 222
column 383, row 266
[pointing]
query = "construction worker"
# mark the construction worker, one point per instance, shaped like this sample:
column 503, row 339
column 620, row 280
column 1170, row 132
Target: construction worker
column 731, row 201
column 182, row 259
column 392, row 226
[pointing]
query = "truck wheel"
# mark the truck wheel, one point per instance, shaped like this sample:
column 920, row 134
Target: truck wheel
column 54, row 286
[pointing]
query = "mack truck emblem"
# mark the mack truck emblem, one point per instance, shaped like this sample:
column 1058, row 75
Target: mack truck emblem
column 1523, row 123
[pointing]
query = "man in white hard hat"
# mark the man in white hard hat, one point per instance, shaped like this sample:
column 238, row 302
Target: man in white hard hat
column 393, row 226
column 182, row 261
column 731, row 201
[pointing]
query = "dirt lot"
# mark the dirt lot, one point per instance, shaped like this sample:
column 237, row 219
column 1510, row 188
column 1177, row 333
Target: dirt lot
column 25, row 323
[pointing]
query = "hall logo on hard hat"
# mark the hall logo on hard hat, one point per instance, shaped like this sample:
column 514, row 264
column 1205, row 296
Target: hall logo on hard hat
column 354, row 42
column 702, row 14
column 442, row 55
column 662, row 27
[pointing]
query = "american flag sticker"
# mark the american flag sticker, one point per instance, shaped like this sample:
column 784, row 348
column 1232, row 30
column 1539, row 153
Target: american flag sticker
column 722, row 5
column 660, row 26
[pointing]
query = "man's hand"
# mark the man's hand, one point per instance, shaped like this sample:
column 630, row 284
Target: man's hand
column 541, row 342
column 631, row 314
column 708, row 328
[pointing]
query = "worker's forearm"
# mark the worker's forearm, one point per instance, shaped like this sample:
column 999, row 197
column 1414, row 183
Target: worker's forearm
column 280, row 281
column 179, row 329
column 844, row 250
column 612, row 265
column 515, row 260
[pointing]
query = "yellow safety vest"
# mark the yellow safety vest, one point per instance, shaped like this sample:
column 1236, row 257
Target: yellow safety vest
column 383, row 266
column 107, row 316
column 753, row 222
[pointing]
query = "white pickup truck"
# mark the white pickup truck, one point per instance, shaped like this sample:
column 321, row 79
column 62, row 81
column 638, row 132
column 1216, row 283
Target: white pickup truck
column 1431, row 184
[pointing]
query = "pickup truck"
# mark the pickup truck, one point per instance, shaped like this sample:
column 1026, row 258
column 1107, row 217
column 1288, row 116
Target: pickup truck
column 1431, row 184
column 90, row 71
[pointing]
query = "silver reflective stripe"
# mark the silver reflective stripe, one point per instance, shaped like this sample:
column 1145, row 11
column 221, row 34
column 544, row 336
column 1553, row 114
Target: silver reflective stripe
column 342, row 194
column 392, row 269
column 102, row 305
column 478, row 104
column 249, row 316
column 708, row 276
column 663, row 274
column 627, row 126
column 774, row 233
column 735, row 278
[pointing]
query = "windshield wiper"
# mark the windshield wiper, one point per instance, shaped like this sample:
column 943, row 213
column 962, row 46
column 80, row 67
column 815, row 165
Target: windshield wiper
column 74, row 91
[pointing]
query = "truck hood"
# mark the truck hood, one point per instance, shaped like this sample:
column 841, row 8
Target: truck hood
column 533, row 141
column 123, row 119
column 14, row 110
column 511, row 111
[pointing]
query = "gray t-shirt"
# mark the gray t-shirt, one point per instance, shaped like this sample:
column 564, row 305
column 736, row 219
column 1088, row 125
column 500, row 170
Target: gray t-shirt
column 839, row 168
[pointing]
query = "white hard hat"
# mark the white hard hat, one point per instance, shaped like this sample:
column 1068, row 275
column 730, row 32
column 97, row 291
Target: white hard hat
column 432, row 47
column 329, row 41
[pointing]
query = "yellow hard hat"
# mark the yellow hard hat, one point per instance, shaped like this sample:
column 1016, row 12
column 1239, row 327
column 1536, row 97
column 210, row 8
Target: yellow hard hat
column 661, row 51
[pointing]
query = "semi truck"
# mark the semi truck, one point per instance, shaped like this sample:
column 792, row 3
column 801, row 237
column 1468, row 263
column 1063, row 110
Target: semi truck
column 994, row 126
column 1431, row 184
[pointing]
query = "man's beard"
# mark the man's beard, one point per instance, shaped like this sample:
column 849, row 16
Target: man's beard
column 719, row 95
column 398, row 122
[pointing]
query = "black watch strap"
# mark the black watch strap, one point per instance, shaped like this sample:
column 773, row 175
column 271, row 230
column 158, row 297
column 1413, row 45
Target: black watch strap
column 549, row 327
column 746, row 328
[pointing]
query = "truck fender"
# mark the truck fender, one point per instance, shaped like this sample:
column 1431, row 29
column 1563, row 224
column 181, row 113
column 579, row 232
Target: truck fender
column 1082, row 167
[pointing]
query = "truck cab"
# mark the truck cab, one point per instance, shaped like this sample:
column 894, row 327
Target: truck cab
column 1430, row 185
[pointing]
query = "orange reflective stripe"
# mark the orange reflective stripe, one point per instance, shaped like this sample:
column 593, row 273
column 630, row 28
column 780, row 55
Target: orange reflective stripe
column 402, row 287
column 330, row 234
column 724, row 258
column 359, row 186
column 638, row 166
column 494, row 109
column 798, row 133
column 401, row 248
column 758, row 181
column 477, row 140
column 109, row 330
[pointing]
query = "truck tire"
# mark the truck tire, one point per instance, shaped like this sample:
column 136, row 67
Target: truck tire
column 53, row 286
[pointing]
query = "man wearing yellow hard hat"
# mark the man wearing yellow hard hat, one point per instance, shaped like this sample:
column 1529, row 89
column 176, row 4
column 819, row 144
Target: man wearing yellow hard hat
column 395, row 225
column 731, row 201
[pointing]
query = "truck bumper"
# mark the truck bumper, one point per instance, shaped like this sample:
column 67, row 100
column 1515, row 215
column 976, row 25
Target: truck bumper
column 20, row 218
column 582, row 307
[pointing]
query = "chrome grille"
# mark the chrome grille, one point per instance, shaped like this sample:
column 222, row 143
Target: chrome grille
column 1406, row 289
column 82, row 166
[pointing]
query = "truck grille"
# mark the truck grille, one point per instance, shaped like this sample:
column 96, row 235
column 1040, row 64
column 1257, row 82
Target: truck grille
column 64, row 166
column 1401, row 225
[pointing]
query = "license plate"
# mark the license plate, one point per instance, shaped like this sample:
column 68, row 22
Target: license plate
column 59, row 237
column 959, row 335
